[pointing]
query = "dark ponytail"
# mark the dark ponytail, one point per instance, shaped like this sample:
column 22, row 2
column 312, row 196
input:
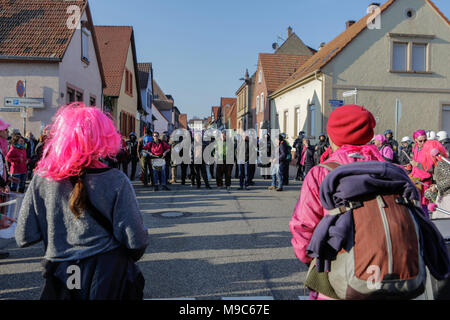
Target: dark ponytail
column 77, row 202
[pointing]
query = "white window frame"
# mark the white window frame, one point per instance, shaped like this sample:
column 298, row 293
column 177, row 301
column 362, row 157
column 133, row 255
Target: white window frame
column 411, row 40
column 262, row 102
column 286, row 121
column 257, row 104
column 312, row 119
column 85, row 41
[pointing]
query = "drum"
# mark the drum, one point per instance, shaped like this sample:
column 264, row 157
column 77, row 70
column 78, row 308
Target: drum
column 158, row 164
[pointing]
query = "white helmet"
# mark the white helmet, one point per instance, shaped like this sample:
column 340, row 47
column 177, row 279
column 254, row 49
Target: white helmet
column 406, row 139
column 431, row 135
column 442, row 135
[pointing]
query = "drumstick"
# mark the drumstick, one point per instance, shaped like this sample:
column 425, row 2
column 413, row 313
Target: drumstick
column 406, row 155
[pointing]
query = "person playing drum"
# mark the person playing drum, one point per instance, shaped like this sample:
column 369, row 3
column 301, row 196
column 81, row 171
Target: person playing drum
column 157, row 150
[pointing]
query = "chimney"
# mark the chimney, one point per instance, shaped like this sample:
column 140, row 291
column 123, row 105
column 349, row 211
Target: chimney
column 289, row 32
column 349, row 23
column 372, row 6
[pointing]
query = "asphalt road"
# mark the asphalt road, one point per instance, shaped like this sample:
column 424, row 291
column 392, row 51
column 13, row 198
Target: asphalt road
column 204, row 244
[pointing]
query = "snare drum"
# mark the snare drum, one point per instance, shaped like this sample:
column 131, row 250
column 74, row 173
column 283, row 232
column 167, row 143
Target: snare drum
column 158, row 164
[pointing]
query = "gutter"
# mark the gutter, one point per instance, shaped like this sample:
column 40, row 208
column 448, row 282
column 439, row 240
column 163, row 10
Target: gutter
column 21, row 58
column 298, row 83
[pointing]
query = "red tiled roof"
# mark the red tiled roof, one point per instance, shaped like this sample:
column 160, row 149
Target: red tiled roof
column 331, row 49
column 278, row 67
column 113, row 42
column 35, row 28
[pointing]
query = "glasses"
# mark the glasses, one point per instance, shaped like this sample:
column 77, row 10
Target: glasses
column 421, row 141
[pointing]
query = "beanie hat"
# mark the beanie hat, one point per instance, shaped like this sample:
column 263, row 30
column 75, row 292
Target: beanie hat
column 4, row 125
column 351, row 124
column 381, row 138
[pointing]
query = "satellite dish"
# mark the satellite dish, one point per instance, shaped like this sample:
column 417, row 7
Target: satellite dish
column 274, row 46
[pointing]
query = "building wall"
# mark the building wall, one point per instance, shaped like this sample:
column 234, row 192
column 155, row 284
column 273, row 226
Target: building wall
column 302, row 98
column 42, row 81
column 126, row 102
column 365, row 64
column 76, row 73
column 259, row 89
column 160, row 124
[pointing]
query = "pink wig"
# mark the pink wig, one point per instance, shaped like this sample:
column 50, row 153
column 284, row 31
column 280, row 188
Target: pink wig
column 78, row 136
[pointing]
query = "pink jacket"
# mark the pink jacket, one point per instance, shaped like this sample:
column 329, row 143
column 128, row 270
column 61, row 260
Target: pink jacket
column 308, row 212
column 18, row 159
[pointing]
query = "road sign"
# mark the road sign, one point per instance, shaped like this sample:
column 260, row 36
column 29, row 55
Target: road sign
column 336, row 103
column 20, row 88
column 37, row 103
column 9, row 109
column 350, row 93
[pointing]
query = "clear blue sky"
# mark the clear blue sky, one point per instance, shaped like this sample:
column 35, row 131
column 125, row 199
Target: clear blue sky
column 201, row 48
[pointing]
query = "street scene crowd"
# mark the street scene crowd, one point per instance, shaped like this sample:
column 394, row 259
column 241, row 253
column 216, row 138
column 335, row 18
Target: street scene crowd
column 80, row 222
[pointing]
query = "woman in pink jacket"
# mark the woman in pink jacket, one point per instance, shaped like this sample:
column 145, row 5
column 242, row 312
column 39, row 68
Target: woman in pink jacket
column 17, row 156
column 350, row 128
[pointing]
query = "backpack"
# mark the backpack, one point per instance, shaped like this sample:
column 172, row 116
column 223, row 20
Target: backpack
column 289, row 153
column 384, row 256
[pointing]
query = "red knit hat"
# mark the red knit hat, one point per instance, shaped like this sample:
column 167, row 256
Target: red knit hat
column 351, row 124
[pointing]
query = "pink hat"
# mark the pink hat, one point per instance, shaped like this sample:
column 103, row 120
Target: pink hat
column 381, row 138
column 4, row 125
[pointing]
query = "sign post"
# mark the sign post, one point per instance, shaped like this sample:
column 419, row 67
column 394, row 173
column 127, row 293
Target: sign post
column 351, row 93
column 398, row 116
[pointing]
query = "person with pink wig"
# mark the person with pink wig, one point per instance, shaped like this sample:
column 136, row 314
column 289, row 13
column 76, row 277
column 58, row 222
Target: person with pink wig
column 384, row 147
column 85, row 212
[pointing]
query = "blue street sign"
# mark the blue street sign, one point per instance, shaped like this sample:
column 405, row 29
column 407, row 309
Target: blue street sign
column 336, row 103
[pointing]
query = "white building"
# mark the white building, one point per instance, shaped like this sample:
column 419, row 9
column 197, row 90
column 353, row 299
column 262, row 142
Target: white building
column 60, row 65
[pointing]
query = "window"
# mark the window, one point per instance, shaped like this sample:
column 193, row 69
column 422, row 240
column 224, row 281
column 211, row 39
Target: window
column 70, row 95
column 411, row 53
column 260, row 76
column 312, row 124
column 297, row 120
column 85, row 36
column 262, row 102
column 257, row 104
column 446, row 117
column 128, row 82
column 400, row 60
column 79, row 96
column 286, row 122
column 419, row 56
column 92, row 101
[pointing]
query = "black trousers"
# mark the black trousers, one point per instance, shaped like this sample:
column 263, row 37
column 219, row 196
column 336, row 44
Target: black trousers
column 134, row 162
column 183, row 173
column 224, row 170
column 199, row 169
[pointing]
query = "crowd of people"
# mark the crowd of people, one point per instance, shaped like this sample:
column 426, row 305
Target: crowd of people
column 84, row 224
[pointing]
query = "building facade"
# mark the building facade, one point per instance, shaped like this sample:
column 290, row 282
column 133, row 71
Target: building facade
column 399, row 70
column 56, row 67
column 123, row 91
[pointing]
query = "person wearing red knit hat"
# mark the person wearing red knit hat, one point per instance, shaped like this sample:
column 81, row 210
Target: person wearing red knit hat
column 349, row 128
